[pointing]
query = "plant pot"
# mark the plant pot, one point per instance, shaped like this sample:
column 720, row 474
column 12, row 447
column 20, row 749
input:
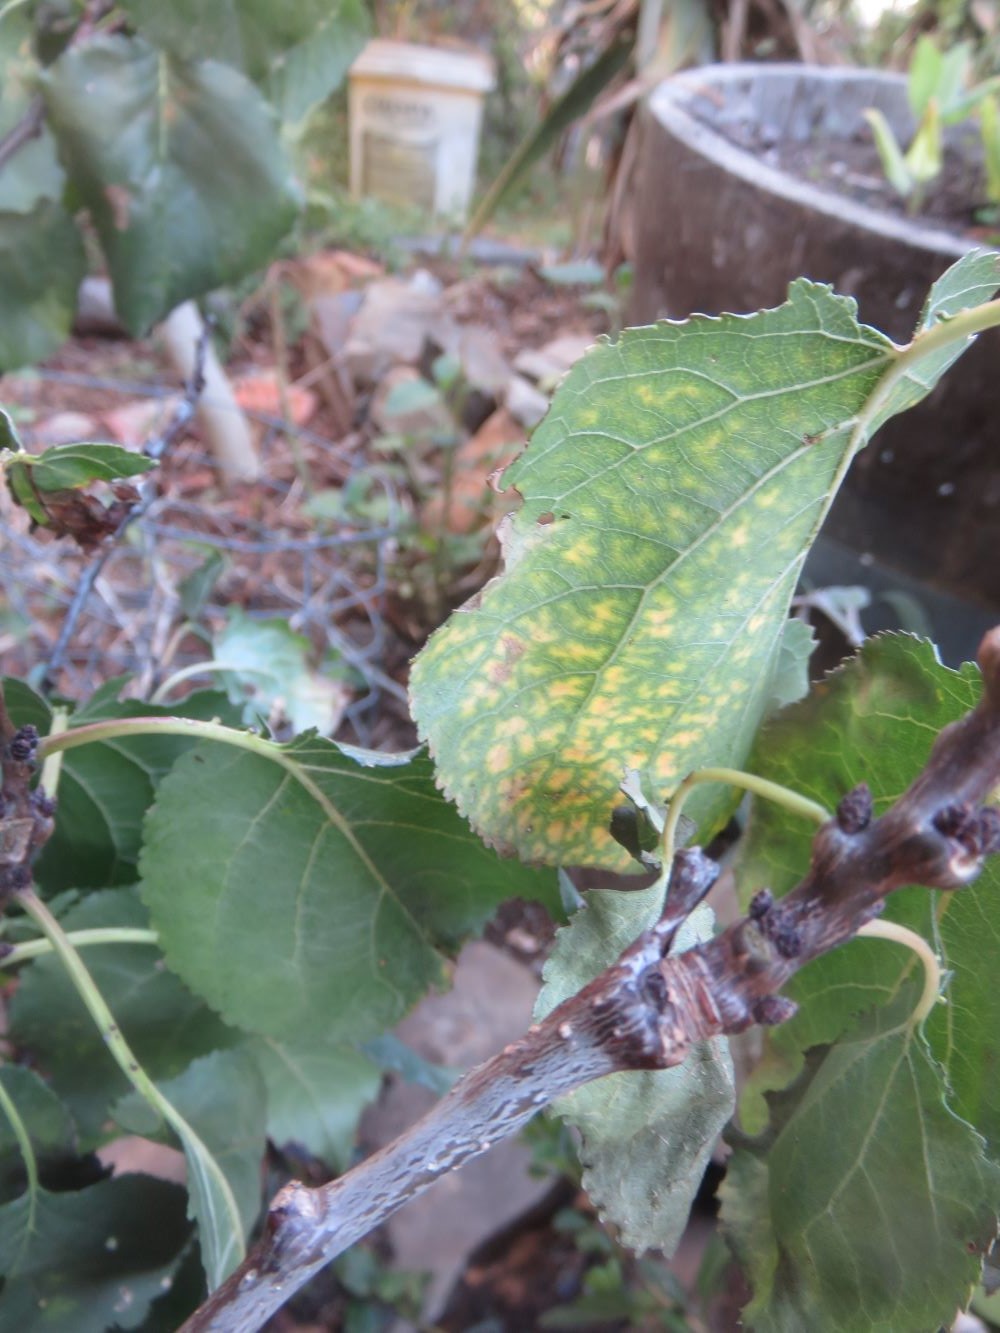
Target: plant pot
column 718, row 228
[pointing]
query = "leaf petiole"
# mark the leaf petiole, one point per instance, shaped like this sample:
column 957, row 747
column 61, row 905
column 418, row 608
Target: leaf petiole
column 21, row 953
column 892, row 930
column 199, row 1157
column 113, row 728
column 956, row 328
column 770, row 791
column 20, row 1131
column 53, row 761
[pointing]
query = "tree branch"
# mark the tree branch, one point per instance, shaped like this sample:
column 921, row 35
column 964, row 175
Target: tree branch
column 648, row 1009
column 27, row 128
column 153, row 448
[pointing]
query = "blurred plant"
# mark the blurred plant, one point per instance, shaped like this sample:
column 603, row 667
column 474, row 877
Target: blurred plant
column 604, row 57
column 171, row 126
column 379, row 1297
column 608, row 293
column 938, row 96
column 989, row 127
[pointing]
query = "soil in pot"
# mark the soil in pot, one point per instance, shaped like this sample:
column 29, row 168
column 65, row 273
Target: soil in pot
column 956, row 199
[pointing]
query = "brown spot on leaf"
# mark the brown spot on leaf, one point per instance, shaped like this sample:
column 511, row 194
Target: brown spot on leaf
column 511, row 648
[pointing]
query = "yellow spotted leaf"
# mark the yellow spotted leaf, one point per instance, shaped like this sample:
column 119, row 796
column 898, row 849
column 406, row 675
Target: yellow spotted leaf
column 669, row 499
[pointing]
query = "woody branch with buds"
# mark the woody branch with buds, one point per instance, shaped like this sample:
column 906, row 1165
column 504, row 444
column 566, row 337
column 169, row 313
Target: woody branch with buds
column 650, row 1007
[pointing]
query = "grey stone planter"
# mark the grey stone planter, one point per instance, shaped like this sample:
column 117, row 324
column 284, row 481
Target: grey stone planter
column 718, row 228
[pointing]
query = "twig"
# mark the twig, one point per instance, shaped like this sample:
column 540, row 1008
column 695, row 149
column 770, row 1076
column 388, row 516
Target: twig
column 154, row 448
column 32, row 122
column 27, row 128
column 648, row 1009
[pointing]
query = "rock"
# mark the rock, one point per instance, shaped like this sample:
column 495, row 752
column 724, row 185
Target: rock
column 65, row 428
column 483, row 364
column 329, row 272
column 134, row 423
column 490, row 1004
column 397, row 318
column 131, row 1154
column 260, row 392
column 95, row 310
column 524, row 402
column 547, row 365
column 332, row 315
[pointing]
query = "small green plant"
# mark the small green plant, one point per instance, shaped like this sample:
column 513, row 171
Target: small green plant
column 938, row 96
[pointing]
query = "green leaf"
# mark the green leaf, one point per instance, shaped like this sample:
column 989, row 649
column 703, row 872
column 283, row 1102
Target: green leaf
column 33, row 173
column 327, row 879
column 895, row 163
column 69, row 466
column 89, row 1259
column 316, row 1091
column 390, row 1053
column 647, row 1137
column 179, row 163
column 925, row 155
column 963, row 106
column 790, row 681
column 106, row 787
column 41, row 266
column 670, row 498
column 48, row 1124
column 271, row 673
column 575, row 102
column 956, row 63
column 25, row 706
column 874, row 721
column 224, row 1101
column 164, row 1024
column 198, row 586
column 868, row 1204
column 410, row 396
column 298, row 53
column 924, row 77
column 989, row 124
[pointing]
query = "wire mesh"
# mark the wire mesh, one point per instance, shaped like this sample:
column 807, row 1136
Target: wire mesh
column 330, row 585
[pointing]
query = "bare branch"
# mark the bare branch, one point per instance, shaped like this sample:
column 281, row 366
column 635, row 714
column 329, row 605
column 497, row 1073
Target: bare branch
column 32, row 122
column 153, row 448
column 27, row 128
column 648, row 1009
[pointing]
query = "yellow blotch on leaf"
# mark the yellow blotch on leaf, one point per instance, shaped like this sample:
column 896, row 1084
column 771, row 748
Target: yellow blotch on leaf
column 498, row 757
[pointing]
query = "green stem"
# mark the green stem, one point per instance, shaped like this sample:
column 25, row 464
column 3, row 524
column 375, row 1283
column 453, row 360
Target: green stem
column 957, row 328
column 892, row 930
column 122, row 1052
column 206, row 668
column 20, row 1131
column 193, row 728
column 9, row 8
column 21, row 953
column 53, row 763
column 771, row 791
